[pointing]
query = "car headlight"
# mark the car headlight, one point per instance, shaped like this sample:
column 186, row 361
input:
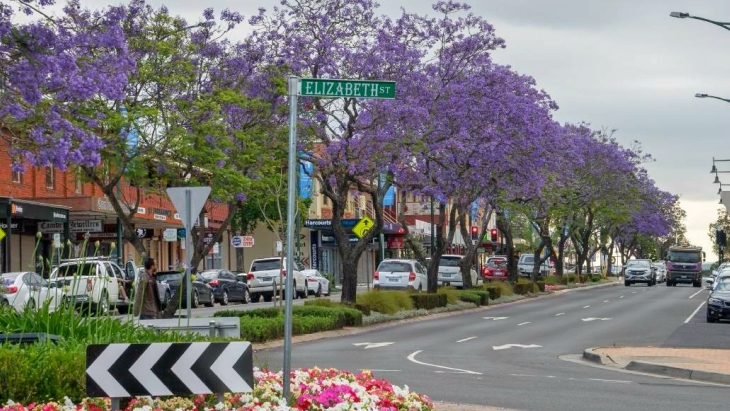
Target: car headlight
column 715, row 301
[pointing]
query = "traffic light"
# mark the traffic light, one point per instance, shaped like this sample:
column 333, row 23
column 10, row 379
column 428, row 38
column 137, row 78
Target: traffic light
column 720, row 238
column 494, row 235
column 474, row 233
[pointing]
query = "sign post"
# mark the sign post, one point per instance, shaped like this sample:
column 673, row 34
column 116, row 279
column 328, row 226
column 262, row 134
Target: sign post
column 188, row 201
column 324, row 88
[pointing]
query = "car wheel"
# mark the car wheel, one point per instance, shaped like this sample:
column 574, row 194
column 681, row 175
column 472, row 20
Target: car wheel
column 102, row 307
column 246, row 296
column 224, row 298
column 710, row 319
column 626, row 283
column 318, row 293
column 195, row 303
column 305, row 293
column 211, row 299
column 268, row 297
column 668, row 283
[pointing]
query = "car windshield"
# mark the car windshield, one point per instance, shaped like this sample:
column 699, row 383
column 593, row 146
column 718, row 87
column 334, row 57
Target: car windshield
column 449, row 261
column 169, row 276
column 8, row 279
column 209, row 275
column 265, row 265
column 723, row 285
column 71, row 270
column 529, row 259
column 637, row 264
column 497, row 263
column 684, row 256
column 394, row 266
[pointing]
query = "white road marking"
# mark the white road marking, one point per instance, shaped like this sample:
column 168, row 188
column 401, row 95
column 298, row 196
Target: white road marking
column 466, row 339
column 523, row 323
column 412, row 358
column 633, row 292
column 621, row 296
column 595, row 319
column 696, row 293
column 606, row 301
column 695, row 312
column 373, row 370
column 587, row 306
column 559, row 314
column 506, row 346
column 495, row 318
column 573, row 378
column 369, row 345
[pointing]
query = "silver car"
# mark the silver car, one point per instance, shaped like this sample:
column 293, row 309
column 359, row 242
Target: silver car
column 640, row 271
column 661, row 271
column 449, row 273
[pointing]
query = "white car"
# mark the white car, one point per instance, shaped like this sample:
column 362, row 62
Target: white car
column 264, row 278
column 317, row 284
column 449, row 273
column 28, row 289
column 400, row 274
column 661, row 272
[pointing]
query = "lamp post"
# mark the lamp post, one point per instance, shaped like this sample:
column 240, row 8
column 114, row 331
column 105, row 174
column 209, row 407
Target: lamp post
column 704, row 95
column 719, row 190
column 680, row 15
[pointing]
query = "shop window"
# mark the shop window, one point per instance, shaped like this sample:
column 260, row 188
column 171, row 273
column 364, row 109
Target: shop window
column 50, row 178
column 17, row 177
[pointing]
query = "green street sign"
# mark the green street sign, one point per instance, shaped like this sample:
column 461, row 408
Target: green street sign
column 318, row 87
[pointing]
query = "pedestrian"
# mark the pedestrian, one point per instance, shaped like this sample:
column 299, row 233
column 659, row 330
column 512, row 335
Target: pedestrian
column 147, row 303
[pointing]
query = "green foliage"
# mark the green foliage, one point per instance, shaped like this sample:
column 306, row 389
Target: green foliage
column 364, row 309
column 259, row 312
column 322, row 302
column 596, row 278
column 540, row 286
column 42, row 371
column 470, row 297
column 493, row 290
column 428, row 301
column 345, row 317
column 483, row 295
column 525, row 288
column 553, row 280
column 504, row 287
column 386, row 302
column 452, row 295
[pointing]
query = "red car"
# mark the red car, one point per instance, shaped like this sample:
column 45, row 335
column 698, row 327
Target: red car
column 495, row 269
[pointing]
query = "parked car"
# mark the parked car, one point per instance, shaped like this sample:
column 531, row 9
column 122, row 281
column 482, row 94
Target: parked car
column 22, row 290
column 526, row 263
column 317, row 284
column 449, row 273
column 495, row 269
column 266, row 273
column 718, row 302
column 226, row 287
column 89, row 282
column 640, row 271
column 202, row 293
column 400, row 274
column 661, row 271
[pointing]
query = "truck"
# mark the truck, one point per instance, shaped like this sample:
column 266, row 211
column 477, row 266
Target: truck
column 684, row 265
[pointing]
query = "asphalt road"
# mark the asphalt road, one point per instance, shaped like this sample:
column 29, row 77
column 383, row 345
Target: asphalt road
column 470, row 358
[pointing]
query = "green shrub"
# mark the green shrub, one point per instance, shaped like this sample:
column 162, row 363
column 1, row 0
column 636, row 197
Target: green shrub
column 364, row 309
column 261, row 329
column 541, row 286
column 428, row 301
column 258, row 312
column 505, row 288
column 344, row 316
column 452, row 295
column 323, row 302
column 553, row 280
column 470, row 297
column 524, row 288
column 386, row 302
column 571, row 278
column 494, row 291
column 313, row 324
column 483, row 296
column 596, row 278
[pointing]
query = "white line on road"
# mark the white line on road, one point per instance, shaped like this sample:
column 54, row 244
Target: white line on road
column 523, row 323
column 412, row 358
column 621, row 296
column 373, row 370
column 587, row 306
column 633, row 292
column 695, row 312
column 606, row 301
column 466, row 339
column 696, row 293
column 559, row 314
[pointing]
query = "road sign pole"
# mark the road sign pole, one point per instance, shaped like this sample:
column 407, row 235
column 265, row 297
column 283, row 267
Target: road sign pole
column 188, row 251
column 291, row 199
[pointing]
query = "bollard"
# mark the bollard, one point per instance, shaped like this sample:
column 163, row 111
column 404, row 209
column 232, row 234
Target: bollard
column 211, row 325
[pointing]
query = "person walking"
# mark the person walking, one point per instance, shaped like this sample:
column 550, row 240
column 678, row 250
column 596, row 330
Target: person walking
column 147, row 303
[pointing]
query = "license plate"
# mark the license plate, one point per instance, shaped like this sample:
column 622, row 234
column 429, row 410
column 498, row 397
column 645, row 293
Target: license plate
column 447, row 274
column 393, row 280
column 266, row 278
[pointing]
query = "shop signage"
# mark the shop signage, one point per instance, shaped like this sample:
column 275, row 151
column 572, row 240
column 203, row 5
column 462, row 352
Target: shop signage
column 42, row 212
column 395, row 242
column 327, row 223
column 74, row 226
column 170, row 234
column 314, row 249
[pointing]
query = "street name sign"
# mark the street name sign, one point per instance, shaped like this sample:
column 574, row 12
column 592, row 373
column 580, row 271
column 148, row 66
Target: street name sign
column 242, row 241
column 126, row 370
column 319, row 87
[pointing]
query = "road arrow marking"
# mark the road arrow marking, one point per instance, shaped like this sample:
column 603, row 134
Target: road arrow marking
column 523, row 323
column 506, row 346
column 466, row 339
column 595, row 319
column 587, row 306
column 621, row 296
column 606, row 301
column 369, row 345
column 412, row 358
column 495, row 318
column 98, row 371
column 559, row 314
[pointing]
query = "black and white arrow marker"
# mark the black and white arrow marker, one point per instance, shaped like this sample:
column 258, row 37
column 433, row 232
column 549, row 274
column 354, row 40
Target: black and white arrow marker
column 125, row 370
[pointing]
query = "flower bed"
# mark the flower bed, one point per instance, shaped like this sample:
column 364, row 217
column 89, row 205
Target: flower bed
column 311, row 390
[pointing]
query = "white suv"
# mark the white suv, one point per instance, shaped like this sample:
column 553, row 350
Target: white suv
column 450, row 272
column 263, row 278
column 397, row 274
column 89, row 283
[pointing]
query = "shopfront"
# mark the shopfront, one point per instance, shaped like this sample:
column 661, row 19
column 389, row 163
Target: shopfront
column 20, row 221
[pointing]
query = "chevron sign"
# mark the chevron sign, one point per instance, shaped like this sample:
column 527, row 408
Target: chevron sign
column 159, row 369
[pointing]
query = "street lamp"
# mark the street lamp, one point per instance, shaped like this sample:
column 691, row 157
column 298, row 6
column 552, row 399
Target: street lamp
column 714, row 169
column 703, row 95
column 719, row 190
column 680, row 15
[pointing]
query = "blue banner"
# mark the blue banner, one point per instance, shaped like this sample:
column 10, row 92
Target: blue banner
column 305, row 179
column 389, row 197
column 474, row 210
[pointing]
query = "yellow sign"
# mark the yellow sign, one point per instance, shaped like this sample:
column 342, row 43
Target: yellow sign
column 362, row 227
column 2, row 234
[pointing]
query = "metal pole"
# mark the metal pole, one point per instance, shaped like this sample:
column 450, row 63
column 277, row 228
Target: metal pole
column 119, row 242
column 188, row 252
column 433, row 230
column 290, row 209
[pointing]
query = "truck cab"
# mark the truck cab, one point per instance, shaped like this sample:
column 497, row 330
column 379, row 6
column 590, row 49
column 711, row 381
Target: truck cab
column 684, row 265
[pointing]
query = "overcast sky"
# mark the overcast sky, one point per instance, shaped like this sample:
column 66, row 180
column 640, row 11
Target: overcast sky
column 619, row 64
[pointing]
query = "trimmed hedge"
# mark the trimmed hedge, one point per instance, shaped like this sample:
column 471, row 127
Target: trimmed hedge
column 386, row 302
column 541, row 286
column 428, row 301
column 494, row 291
column 469, row 297
column 524, row 288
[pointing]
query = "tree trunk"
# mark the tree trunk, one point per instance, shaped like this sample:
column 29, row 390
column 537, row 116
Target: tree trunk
column 504, row 227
